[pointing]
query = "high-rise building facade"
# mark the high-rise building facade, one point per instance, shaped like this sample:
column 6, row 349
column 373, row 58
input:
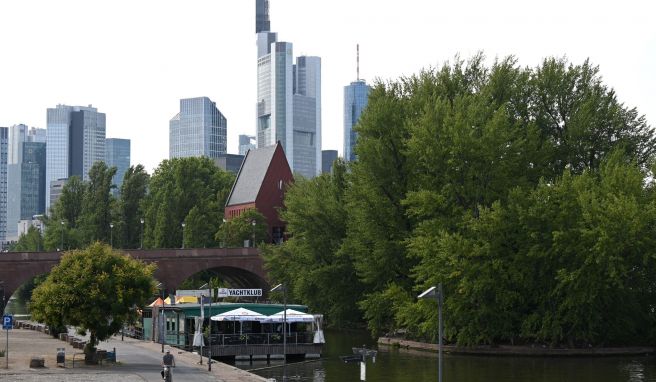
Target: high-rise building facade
column 199, row 129
column 26, row 170
column 117, row 154
column 76, row 140
column 4, row 145
column 246, row 142
column 288, row 98
column 328, row 157
column 356, row 96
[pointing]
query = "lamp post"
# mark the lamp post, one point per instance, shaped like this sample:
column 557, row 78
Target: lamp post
column 111, row 235
column 253, row 222
column 62, row 235
column 183, row 227
column 142, row 221
column 435, row 292
column 209, row 355
column 162, row 332
column 284, row 328
column 225, row 235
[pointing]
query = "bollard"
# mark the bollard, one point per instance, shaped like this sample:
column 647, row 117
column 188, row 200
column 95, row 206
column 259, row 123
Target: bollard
column 61, row 357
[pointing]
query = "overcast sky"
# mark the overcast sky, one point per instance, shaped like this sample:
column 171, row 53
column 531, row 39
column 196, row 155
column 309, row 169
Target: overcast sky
column 134, row 59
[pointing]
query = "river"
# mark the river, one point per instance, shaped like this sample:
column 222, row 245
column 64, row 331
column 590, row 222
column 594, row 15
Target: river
column 397, row 365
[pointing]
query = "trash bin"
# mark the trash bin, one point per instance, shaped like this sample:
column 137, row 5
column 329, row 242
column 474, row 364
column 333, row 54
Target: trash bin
column 111, row 356
column 61, row 357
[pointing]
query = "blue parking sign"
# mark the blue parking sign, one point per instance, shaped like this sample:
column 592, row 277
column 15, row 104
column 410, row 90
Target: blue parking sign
column 7, row 322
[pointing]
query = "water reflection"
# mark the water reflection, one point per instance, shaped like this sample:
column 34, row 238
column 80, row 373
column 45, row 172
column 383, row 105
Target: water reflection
column 401, row 365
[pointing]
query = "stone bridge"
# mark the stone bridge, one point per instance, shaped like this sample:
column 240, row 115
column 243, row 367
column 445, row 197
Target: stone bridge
column 239, row 267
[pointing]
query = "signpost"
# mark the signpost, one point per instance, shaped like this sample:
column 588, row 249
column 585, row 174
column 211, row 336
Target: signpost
column 7, row 324
column 361, row 355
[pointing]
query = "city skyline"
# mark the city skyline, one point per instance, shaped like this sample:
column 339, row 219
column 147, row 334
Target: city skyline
column 133, row 68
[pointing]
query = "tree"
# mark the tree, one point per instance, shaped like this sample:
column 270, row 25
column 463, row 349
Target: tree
column 94, row 289
column 97, row 205
column 310, row 263
column 29, row 242
column 68, row 210
column 234, row 232
column 130, row 211
column 176, row 187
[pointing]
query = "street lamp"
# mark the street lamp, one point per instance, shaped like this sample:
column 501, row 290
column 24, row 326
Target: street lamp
column 62, row 235
column 162, row 331
column 225, row 235
column 281, row 287
column 183, row 226
column 435, row 292
column 111, row 235
column 209, row 356
column 142, row 221
column 253, row 222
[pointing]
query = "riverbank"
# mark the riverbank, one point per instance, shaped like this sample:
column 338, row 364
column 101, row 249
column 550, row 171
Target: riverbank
column 507, row 350
column 137, row 361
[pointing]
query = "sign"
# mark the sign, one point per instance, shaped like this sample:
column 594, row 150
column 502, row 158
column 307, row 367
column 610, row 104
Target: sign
column 351, row 358
column 7, row 322
column 192, row 292
column 225, row 292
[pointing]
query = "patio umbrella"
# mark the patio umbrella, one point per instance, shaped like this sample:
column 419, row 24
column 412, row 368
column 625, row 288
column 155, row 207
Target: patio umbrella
column 239, row 314
column 292, row 316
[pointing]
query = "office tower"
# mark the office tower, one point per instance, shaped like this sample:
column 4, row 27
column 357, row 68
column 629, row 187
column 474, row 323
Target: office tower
column 33, row 180
column 117, row 154
column 229, row 162
column 199, row 129
column 288, row 98
column 25, row 176
column 246, row 142
column 328, row 157
column 56, row 189
column 4, row 144
column 356, row 96
column 76, row 140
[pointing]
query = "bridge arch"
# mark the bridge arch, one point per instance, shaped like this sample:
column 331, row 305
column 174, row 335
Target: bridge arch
column 242, row 266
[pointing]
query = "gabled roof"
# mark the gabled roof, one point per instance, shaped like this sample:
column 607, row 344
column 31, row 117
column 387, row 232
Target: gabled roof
column 251, row 175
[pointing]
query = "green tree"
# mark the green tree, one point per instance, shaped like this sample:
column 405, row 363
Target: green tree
column 130, row 212
column 234, row 232
column 310, row 262
column 32, row 241
column 176, row 187
column 94, row 289
column 97, row 204
column 68, row 210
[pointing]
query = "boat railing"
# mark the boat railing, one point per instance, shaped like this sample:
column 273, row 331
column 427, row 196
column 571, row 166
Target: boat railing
column 262, row 338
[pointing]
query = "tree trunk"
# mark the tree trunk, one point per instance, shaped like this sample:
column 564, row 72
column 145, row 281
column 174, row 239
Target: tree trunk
column 90, row 350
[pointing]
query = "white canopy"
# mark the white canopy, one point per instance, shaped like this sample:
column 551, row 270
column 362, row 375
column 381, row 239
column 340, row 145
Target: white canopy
column 292, row 316
column 239, row 314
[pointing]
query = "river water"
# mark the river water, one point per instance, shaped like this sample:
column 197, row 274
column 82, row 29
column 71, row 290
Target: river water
column 397, row 365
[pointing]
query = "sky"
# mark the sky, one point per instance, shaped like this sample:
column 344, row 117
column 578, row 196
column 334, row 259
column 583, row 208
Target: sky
column 135, row 59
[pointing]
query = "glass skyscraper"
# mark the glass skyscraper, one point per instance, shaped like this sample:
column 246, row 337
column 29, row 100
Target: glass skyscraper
column 117, row 154
column 4, row 145
column 199, row 129
column 246, row 142
column 76, row 140
column 288, row 98
column 356, row 96
column 26, row 169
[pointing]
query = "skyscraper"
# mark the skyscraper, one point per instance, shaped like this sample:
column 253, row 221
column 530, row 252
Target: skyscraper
column 25, row 176
column 246, row 142
column 288, row 98
column 356, row 96
column 117, row 154
column 76, row 140
column 4, row 144
column 199, row 129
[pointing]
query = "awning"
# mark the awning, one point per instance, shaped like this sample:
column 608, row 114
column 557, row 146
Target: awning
column 239, row 314
column 292, row 316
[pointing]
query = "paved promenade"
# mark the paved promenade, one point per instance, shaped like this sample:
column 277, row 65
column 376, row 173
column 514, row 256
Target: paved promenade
column 136, row 361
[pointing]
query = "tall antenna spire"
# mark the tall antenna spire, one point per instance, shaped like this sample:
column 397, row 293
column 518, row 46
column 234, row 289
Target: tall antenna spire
column 358, row 61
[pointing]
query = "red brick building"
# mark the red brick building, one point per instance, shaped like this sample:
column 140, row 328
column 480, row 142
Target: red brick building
column 261, row 183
